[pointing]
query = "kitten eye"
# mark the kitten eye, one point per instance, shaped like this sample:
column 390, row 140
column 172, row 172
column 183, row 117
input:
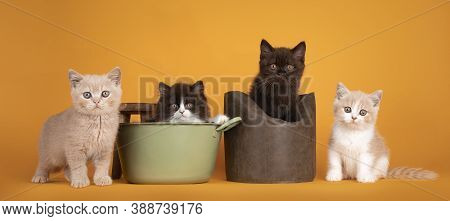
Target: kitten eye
column 363, row 112
column 273, row 66
column 87, row 95
column 105, row 94
column 174, row 106
column 189, row 105
column 347, row 109
column 290, row 67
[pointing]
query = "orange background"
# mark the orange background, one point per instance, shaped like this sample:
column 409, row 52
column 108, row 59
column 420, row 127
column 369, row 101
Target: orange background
column 402, row 47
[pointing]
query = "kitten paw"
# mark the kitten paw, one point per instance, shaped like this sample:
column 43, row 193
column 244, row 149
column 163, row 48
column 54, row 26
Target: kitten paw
column 334, row 176
column 367, row 178
column 39, row 179
column 80, row 183
column 103, row 181
column 221, row 119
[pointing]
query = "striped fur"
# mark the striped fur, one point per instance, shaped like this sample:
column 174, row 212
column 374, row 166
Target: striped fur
column 409, row 173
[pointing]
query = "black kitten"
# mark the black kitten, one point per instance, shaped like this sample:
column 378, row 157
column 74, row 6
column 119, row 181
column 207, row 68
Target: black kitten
column 182, row 103
column 275, row 87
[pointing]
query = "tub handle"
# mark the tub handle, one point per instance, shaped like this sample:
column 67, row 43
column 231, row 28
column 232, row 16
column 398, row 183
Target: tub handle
column 229, row 124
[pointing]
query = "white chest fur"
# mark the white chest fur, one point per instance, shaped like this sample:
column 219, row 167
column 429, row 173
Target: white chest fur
column 350, row 144
column 353, row 140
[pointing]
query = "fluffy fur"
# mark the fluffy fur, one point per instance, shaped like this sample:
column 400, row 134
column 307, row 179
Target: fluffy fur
column 356, row 150
column 85, row 131
column 185, row 103
column 275, row 87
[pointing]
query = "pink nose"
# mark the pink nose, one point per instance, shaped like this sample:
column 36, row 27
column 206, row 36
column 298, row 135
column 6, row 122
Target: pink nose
column 354, row 118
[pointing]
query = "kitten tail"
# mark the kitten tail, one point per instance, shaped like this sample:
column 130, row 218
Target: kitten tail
column 407, row 173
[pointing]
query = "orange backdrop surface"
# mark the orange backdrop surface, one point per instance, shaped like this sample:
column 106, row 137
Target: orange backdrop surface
column 401, row 47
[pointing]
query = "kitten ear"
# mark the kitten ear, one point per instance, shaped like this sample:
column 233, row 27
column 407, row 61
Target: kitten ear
column 341, row 90
column 376, row 97
column 114, row 75
column 74, row 78
column 163, row 88
column 266, row 48
column 198, row 87
column 299, row 52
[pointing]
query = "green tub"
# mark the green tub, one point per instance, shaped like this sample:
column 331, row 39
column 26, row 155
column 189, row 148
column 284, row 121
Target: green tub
column 165, row 153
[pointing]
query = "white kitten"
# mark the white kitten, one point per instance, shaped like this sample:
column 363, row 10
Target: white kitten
column 356, row 150
column 86, row 131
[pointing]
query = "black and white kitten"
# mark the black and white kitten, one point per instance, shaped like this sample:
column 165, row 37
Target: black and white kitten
column 275, row 87
column 185, row 103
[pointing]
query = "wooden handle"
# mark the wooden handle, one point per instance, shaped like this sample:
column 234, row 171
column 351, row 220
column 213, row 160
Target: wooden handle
column 147, row 111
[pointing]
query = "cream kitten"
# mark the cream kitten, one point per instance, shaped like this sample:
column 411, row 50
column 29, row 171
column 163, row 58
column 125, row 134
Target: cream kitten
column 86, row 131
column 356, row 150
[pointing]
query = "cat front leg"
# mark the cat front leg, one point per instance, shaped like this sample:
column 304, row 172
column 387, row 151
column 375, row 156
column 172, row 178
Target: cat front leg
column 41, row 174
column 219, row 119
column 102, row 163
column 334, row 166
column 76, row 160
column 365, row 168
column 382, row 166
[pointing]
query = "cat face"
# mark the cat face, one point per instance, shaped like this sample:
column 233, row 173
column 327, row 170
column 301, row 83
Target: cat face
column 182, row 103
column 356, row 109
column 96, row 94
column 281, row 64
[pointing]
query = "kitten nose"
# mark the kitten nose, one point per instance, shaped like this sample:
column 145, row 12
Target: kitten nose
column 354, row 118
column 181, row 110
column 96, row 100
